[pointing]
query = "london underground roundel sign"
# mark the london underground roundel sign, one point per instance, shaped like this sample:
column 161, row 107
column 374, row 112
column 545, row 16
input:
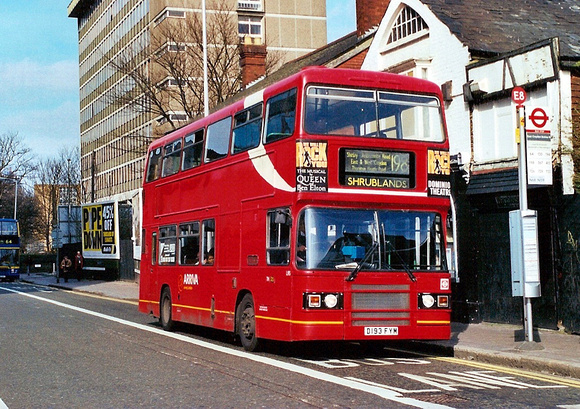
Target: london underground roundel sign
column 539, row 118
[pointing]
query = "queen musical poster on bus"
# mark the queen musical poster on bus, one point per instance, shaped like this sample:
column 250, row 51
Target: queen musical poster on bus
column 100, row 230
column 311, row 166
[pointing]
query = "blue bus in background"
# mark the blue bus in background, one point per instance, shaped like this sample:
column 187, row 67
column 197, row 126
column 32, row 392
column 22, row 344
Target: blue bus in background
column 9, row 250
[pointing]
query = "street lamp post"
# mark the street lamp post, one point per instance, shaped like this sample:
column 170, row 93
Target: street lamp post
column 15, row 192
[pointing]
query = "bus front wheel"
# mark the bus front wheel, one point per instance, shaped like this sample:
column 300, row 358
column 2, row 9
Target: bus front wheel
column 165, row 310
column 246, row 323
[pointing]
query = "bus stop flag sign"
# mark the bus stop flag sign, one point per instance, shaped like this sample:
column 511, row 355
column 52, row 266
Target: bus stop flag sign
column 519, row 95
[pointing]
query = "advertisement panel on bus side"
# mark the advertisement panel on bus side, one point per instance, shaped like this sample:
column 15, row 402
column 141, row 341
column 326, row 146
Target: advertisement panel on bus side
column 100, row 223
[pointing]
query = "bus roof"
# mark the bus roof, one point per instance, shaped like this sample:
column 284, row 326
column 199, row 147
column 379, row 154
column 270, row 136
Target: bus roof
column 316, row 74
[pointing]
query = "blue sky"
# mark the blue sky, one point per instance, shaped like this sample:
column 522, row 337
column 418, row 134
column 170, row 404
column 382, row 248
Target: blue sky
column 39, row 89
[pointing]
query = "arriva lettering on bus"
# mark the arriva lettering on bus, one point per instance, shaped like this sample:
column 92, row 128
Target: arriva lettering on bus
column 190, row 279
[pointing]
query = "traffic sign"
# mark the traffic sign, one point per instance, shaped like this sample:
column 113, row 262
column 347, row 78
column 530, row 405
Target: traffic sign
column 519, row 95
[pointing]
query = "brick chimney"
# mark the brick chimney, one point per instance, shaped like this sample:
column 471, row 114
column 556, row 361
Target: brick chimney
column 369, row 13
column 252, row 60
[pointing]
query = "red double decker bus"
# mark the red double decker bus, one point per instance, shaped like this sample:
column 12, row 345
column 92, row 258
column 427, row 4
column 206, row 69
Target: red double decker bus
column 312, row 210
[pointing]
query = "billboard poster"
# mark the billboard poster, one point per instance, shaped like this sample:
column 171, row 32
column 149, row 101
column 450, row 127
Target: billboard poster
column 311, row 166
column 100, row 223
column 438, row 173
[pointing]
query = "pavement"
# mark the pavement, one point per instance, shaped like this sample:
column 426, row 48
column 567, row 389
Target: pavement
column 552, row 352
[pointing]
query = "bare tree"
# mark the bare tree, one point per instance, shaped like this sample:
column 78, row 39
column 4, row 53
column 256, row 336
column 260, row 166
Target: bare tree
column 15, row 157
column 166, row 77
column 57, row 182
column 16, row 162
column 46, row 191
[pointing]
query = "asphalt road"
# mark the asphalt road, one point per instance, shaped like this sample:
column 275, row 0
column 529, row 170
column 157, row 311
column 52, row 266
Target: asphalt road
column 66, row 350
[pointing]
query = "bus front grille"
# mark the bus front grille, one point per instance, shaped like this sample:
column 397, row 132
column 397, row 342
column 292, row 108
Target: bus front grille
column 371, row 308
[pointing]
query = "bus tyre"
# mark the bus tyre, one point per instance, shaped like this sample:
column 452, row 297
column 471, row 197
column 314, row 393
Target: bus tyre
column 165, row 310
column 246, row 323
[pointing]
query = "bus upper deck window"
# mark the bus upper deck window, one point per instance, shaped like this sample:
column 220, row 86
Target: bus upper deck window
column 337, row 111
column 218, row 139
column 247, row 129
column 280, row 116
column 172, row 158
column 410, row 117
column 192, row 149
column 154, row 165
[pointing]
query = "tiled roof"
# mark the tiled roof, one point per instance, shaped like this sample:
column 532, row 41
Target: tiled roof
column 493, row 182
column 499, row 26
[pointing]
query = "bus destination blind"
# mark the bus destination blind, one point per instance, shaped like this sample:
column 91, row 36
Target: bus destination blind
column 376, row 169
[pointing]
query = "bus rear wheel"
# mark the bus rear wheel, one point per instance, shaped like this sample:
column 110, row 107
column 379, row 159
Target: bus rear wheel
column 165, row 318
column 246, row 324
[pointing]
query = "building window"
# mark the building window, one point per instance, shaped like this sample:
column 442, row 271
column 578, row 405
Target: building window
column 408, row 23
column 174, row 117
column 169, row 13
column 251, row 26
column 250, row 5
column 170, row 82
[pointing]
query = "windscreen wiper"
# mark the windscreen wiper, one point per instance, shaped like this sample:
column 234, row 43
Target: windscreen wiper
column 403, row 263
column 363, row 262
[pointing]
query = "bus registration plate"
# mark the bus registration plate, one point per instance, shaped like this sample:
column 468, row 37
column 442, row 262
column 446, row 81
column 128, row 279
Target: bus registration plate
column 378, row 331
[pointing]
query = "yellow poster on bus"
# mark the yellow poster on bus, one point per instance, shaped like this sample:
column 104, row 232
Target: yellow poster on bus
column 100, row 230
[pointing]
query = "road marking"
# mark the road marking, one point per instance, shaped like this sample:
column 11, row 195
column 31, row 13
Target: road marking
column 3, row 405
column 333, row 363
column 512, row 371
column 472, row 380
column 342, row 382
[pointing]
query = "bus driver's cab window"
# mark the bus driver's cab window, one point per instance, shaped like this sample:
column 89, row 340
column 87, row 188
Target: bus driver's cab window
column 278, row 237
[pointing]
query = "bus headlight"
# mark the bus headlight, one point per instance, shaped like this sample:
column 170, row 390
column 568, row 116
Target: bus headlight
column 427, row 300
column 328, row 301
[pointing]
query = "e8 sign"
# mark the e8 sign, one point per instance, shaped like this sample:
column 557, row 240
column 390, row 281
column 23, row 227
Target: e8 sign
column 519, row 95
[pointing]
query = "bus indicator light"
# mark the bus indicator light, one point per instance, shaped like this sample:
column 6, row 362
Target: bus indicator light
column 314, row 301
column 443, row 301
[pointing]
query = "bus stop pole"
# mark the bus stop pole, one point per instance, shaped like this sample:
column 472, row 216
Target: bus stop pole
column 523, row 190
